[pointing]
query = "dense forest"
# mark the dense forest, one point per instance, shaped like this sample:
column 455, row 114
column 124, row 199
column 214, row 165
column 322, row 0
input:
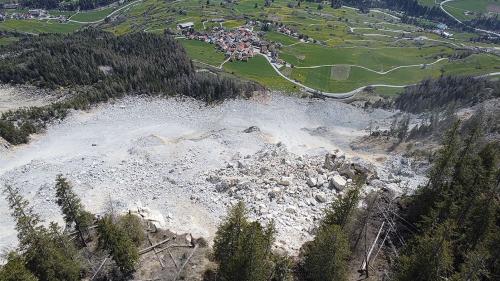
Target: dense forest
column 456, row 213
column 435, row 94
column 489, row 23
column 66, row 5
column 411, row 8
column 98, row 66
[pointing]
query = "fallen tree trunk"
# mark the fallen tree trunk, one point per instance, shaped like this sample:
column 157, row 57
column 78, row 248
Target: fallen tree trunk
column 143, row 251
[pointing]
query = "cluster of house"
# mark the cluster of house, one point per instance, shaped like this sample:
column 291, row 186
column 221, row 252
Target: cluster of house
column 30, row 14
column 287, row 31
column 240, row 43
column 441, row 30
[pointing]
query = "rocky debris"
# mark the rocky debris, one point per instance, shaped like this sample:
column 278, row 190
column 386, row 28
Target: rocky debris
column 4, row 145
column 251, row 129
column 290, row 189
column 183, row 159
column 320, row 198
column 153, row 216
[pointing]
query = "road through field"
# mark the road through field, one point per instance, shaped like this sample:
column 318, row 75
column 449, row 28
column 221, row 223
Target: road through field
column 374, row 71
column 441, row 5
column 112, row 13
column 352, row 93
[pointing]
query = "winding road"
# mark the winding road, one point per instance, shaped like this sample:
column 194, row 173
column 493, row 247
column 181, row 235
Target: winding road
column 112, row 13
column 352, row 93
column 374, row 71
column 441, row 5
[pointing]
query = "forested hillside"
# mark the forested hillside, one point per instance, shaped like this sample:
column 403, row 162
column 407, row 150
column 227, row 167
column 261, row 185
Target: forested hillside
column 412, row 8
column 98, row 66
column 434, row 94
column 69, row 5
column 409, row 7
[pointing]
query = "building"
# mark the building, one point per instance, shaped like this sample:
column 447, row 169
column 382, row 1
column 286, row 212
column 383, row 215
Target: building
column 10, row 6
column 442, row 26
column 37, row 13
column 185, row 25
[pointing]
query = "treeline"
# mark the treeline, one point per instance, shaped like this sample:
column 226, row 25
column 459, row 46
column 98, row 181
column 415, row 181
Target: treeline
column 484, row 22
column 439, row 93
column 51, row 253
column 66, row 5
column 99, row 66
column 411, row 8
column 456, row 216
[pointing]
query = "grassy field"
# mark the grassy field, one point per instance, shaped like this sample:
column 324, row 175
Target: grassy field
column 381, row 59
column 7, row 40
column 258, row 69
column 36, row 26
column 95, row 15
column 203, row 52
column 321, row 77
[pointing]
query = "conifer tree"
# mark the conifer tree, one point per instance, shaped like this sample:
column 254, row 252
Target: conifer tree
column 27, row 221
column 48, row 254
column 229, row 232
column 71, row 207
column 116, row 241
column 131, row 225
column 15, row 269
column 326, row 257
column 429, row 258
column 242, row 248
column 341, row 209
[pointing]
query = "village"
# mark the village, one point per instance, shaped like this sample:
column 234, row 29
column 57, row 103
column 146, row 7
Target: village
column 240, row 44
column 28, row 15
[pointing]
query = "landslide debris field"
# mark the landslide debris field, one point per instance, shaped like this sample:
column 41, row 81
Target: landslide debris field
column 191, row 161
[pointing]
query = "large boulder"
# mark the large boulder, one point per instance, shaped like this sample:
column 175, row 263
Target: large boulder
column 285, row 181
column 312, row 181
column 251, row 129
column 329, row 163
column 338, row 182
column 320, row 198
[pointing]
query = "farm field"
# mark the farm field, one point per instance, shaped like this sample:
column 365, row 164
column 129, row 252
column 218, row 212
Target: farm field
column 37, row 26
column 258, row 69
column 203, row 52
column 89, row 16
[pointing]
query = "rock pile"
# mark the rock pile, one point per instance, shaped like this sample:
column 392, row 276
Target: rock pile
column 289, row 189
